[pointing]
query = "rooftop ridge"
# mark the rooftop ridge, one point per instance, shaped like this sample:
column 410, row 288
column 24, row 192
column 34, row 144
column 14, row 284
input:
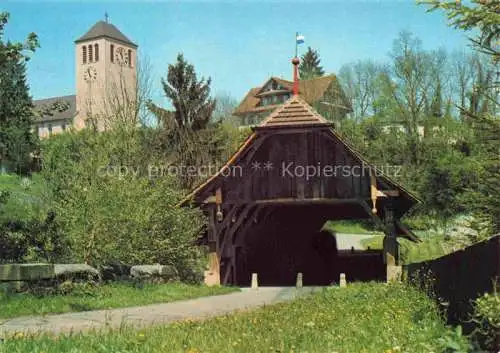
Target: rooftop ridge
column 295, row 111
column 105, row 29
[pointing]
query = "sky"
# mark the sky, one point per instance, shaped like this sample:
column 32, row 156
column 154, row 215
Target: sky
column 239, row 44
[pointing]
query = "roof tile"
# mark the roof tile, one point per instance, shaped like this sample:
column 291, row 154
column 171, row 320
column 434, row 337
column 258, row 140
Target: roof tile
column 55, row 108
column 105, row 29
column 295, row 111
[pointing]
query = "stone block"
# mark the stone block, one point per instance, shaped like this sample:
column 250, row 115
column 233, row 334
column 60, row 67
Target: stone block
column 76, row 272
column 26, row 272
column 145, row 271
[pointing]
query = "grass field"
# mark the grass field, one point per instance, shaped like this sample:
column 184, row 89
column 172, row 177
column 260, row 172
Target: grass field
column 365, row 318
column 27, row 197
column 349, row 227
column 117, row 295
column 431, row 247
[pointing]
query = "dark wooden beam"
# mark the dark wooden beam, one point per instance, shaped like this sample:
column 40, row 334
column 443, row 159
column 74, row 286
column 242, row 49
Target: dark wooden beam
column 391, row 248
column 209, row 198
column 244, row 219
column 308, row 201
column 227, row 239
column 372, row 215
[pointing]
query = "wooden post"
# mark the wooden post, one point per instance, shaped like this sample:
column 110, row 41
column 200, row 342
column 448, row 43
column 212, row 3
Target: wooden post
column 342, row 282
column 299, row 283
column 255, row 281
column 212, row 275
column 373, row 190
column 391, row 248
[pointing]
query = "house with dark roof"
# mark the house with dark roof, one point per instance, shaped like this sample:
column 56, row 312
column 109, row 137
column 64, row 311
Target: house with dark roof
column 104, row 59
column 323, row 93
column 54, row 115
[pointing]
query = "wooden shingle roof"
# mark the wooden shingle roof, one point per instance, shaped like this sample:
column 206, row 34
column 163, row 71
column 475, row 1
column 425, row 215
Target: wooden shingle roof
column 294, row 112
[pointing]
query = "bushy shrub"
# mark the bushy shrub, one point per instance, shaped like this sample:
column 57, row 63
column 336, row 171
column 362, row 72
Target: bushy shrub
column 32, row 241
column 487, row 317
column 110, row 207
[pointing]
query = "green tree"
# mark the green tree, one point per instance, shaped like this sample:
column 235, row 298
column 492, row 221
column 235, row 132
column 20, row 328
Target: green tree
column 483, row 15
column 115, row 203
column 437, row 102
column 407, row 89
column 360, row 81
column 17, row 141
column 310, row 65
column 189, row 96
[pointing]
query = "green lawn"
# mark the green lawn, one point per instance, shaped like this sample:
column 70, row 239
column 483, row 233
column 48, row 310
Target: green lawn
column 117, row 295
column 366, row 318
column 27, row 197
column 431, row 247
column 349, row 227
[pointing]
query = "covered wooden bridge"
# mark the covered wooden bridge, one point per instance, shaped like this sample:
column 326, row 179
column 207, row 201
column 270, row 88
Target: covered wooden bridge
column 266, row 207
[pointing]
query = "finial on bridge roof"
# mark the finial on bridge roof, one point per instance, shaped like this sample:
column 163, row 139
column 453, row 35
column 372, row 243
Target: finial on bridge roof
column 295, row 62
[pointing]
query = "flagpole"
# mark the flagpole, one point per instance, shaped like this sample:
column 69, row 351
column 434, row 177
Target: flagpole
column 296, row 44
column 295, row 62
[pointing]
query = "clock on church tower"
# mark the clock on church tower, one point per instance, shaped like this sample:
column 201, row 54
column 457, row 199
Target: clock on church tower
column 104, row 63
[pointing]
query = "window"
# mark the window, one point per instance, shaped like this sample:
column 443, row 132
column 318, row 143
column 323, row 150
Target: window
column 84, row 54
column 130, row 58
column 90, row 54
column 112, row 52
column 96, row 52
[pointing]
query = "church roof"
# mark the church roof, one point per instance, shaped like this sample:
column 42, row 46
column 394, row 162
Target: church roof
column 294, row 112
column 105, row 29
column 55, row 108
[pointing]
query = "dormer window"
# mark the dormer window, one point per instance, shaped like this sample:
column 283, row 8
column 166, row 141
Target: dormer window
column 91, row 57
column 84, row 54
column 96, row 52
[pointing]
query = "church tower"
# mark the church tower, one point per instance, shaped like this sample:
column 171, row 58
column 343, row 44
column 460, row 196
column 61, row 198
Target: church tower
column 106, row 76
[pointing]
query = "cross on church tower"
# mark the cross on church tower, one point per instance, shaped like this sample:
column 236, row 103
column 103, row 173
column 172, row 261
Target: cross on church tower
column 106, row 17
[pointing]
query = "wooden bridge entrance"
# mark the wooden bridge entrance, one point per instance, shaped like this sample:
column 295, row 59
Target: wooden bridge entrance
column 267, row 205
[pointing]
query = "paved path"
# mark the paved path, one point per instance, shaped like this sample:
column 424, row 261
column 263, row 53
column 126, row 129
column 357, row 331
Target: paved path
column 152, row 314
column 347, row 241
